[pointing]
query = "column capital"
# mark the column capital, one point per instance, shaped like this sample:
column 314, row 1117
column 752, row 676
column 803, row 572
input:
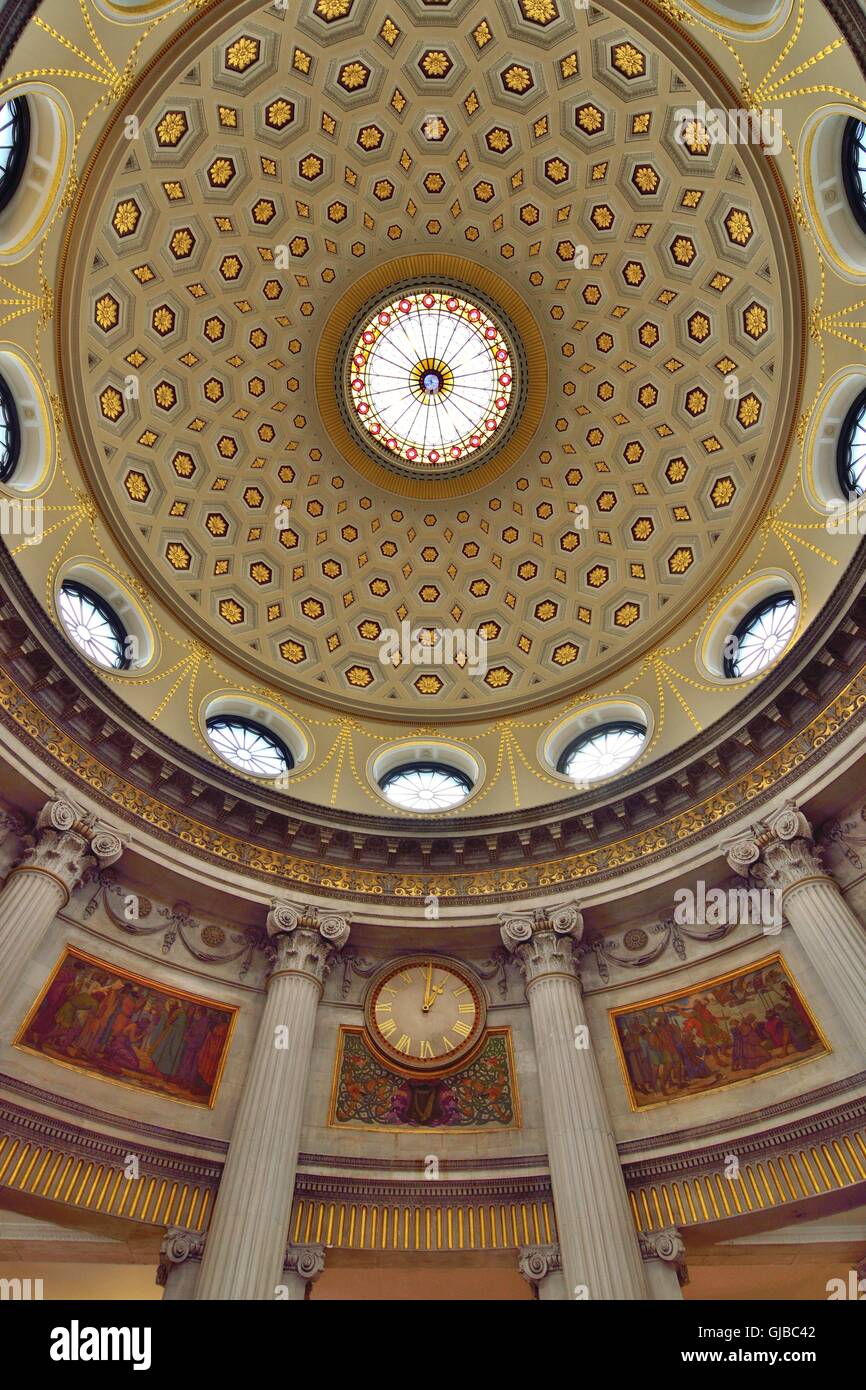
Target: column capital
column 178, row 1246
column 67, row 844
column 666, row 1245
column 779, row 851
column 303, row 938
column 535, row 1262
column 307, row 1261
column 544, row 941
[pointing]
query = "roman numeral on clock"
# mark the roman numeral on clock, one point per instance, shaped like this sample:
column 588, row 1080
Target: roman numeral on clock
column 462, row 1028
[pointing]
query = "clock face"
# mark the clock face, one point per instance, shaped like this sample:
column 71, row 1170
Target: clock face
column 425, row 1014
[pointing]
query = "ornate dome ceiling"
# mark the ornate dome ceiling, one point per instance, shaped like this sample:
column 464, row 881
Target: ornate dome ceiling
column 280, row 179
column 243, row 193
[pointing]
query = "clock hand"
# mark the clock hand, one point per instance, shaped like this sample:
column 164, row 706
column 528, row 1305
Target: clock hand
column 427, row 999
column 435, row 991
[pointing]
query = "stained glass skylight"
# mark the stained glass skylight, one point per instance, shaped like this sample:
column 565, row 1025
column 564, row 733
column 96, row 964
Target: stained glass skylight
column 430, row 378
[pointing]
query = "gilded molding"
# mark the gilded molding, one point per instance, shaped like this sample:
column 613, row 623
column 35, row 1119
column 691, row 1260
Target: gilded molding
column 695, row 823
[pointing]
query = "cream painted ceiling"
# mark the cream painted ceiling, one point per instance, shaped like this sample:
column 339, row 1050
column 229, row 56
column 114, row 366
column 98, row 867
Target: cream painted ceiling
column 361, row 136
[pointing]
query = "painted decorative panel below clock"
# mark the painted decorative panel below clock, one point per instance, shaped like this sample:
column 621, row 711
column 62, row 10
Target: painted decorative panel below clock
column 368, row 1095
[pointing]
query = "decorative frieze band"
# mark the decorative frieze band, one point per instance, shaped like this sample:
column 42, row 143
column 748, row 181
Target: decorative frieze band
column 803, row 1159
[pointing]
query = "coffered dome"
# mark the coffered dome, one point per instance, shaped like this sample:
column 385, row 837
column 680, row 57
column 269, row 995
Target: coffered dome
column 283, row 201
column 431, row 385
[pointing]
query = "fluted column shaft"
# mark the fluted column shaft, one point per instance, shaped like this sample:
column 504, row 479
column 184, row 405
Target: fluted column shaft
column 781, row 853
column 835, row 942
column 597, row 1239
column 59, row 854
column 246, row 1244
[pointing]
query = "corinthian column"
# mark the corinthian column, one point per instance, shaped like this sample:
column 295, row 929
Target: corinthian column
column 781, row 853
column 65, row 847
column 597, row 1239
column 246, row 1244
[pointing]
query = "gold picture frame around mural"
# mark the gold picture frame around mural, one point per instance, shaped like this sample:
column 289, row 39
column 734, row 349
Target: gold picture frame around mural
column 704, row 1039
column 50, row 997
column 353, row 1034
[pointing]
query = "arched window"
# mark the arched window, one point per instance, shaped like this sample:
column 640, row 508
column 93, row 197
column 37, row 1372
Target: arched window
column 14, row 146
column 851, row 450
column 854, row 168
column 93, row 626
column 762, row 635
column 248, row 746
column 10, row 433
column 602, row 752
column 425, row 786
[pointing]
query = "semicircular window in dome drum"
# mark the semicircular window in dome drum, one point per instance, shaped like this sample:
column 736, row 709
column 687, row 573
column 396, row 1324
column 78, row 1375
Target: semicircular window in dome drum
column 425, row 787
column 93, row 626
column 10, row 432
column 851, row 451
column 14, row 146
column 248, row 746
column 854, row 168
column 602, row 752
column 762, row 636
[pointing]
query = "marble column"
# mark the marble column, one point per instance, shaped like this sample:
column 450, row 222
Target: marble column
column 65, row 846
column 664, row 1257
column 597, row 1238
column 541, row 1266
column 780, row 854
column 247, row 1241
column 180, row 1258
column 302, row 1267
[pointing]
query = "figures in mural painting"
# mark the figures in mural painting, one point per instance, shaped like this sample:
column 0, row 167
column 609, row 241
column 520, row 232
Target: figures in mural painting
column 730, row 1030
column 93, row 1017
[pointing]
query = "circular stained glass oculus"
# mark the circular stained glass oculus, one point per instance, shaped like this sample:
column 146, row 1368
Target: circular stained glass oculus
column 431, row 380
column 93, row 626
column 248, row 746
column 602, row 752
column 425, row 787
column 762, row 636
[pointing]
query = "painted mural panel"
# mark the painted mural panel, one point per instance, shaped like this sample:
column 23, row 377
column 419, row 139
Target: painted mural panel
column 121, row 1027
column 738, row 1026
column 368, row 1095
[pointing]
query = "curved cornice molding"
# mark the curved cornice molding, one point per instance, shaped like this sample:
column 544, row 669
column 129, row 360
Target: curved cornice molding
column 14, row 17
column 56, row 706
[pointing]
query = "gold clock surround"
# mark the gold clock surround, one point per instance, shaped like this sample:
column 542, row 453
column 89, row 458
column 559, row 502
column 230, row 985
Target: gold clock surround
column 418, row 972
